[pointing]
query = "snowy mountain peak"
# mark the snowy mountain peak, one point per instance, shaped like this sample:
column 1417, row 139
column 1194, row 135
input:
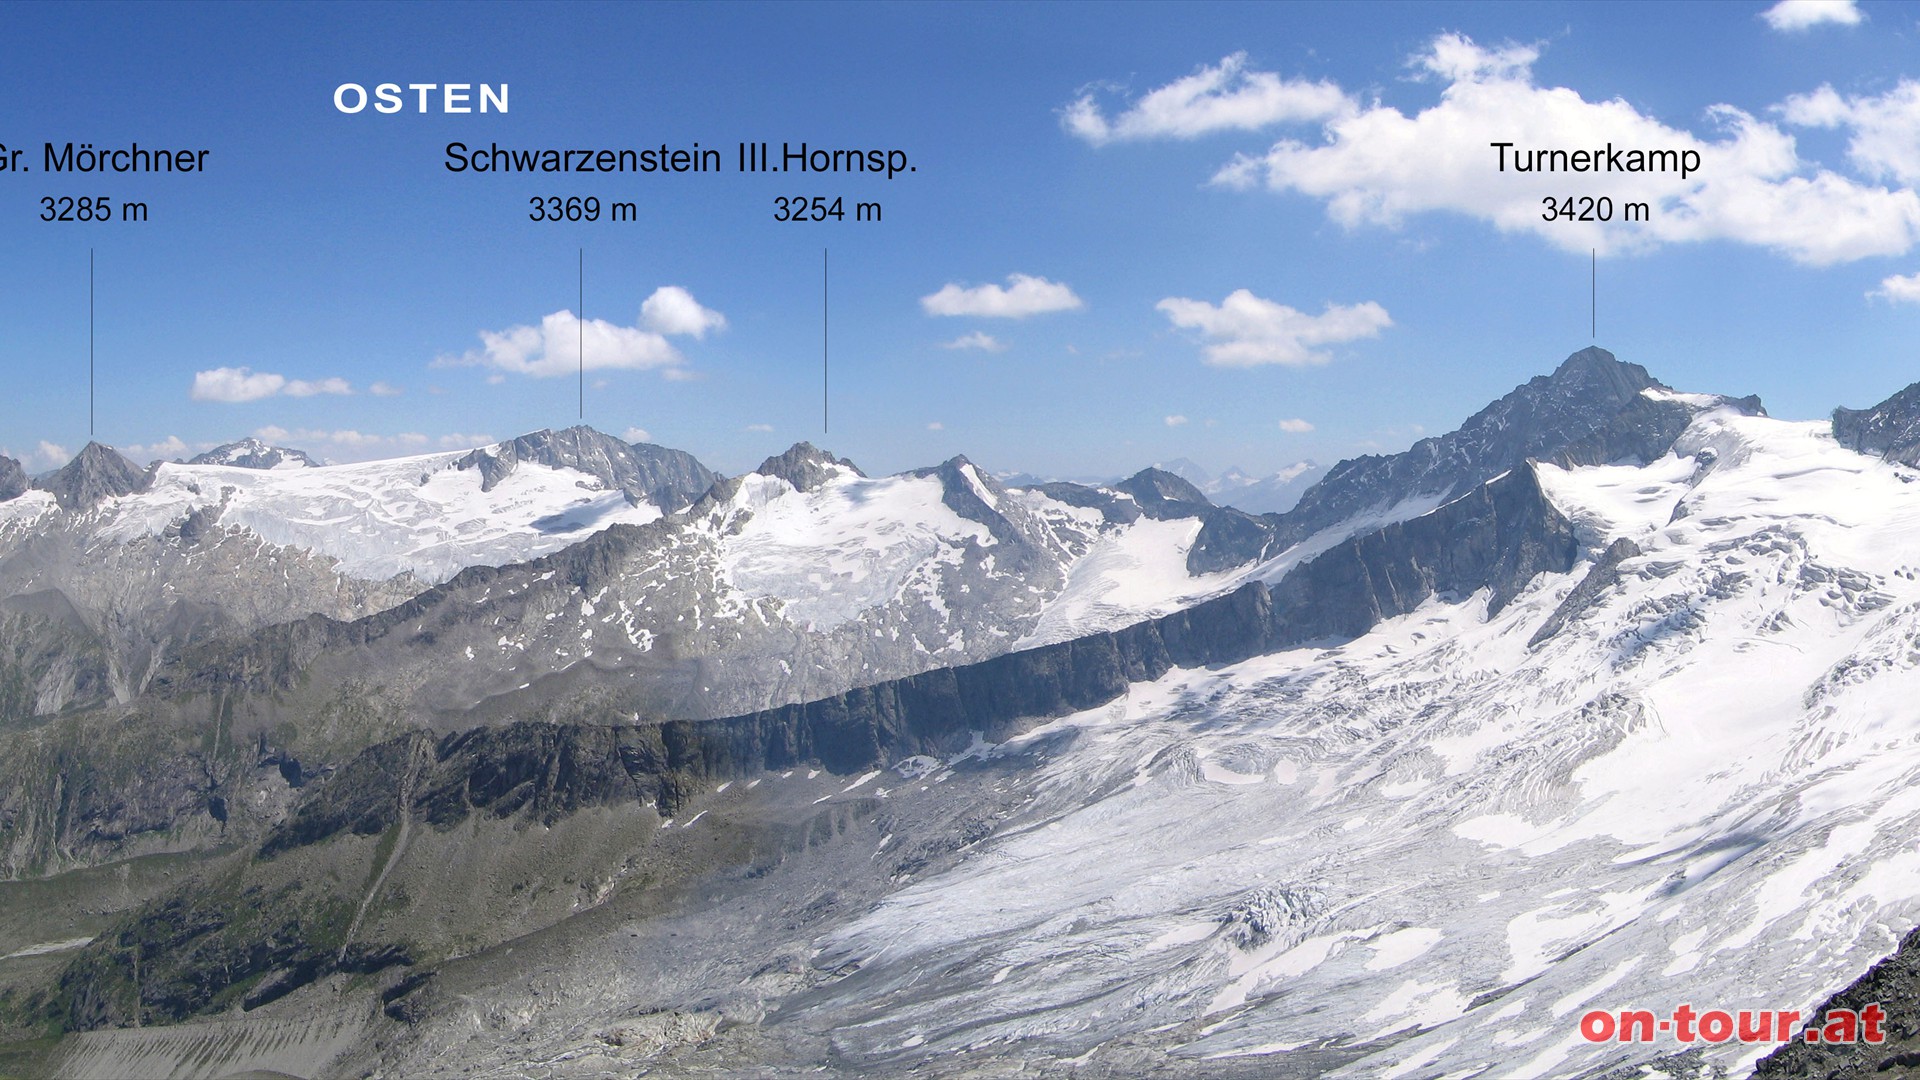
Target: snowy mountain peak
column 668, row 479
column 1161, row 494
column 252, row 453
column 806, row 466
column 13, row 479
column 96, row 474
column 1890, row 429
column 1189, row 470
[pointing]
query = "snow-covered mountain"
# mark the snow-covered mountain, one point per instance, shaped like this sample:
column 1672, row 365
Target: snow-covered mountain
column 252, row 453
column 1645, row 782
column 1275, row 493
column 1597, row 703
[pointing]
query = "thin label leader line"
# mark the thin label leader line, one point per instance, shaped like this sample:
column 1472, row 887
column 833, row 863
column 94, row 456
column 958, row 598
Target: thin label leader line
column 90, row 380
column 823, row 341
column 1593, row 293
column 582, row 308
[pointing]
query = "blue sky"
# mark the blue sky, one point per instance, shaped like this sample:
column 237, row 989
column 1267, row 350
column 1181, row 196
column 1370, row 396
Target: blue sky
column 1243, row 235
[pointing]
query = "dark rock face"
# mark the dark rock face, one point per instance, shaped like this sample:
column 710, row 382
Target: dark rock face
column 1497, row 537
column 1115, row 511
column 1230, row 538
column 1163, row 495
column 1604, row 575
column 13, row 479
column 1890, row 429
column 804, row 466
column 254, row 454
column 97, row 474
column 1894, row 985
column 669, row 479
column 1591, row 410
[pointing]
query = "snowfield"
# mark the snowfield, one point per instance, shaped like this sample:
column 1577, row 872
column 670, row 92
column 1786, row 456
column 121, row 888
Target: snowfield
column 1448, row 844
column 417, row 515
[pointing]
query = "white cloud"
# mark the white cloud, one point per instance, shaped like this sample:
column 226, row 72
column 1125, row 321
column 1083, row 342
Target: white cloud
column 1025, row 295
column 1295, row 426
column 1248, row 331
column 235, row 385
column 561, row 343
column 1224, row 97
column 53, row 455
column 977, row 340
column 1791, row 15
column 936, row 426
column 240, row 384
column 759, row 427
column 303, row 388
column 347, row 444
column 635, row 434
column 1899, row 289
column 1379, row 166
column 385, row 389
column 1175, row 420
column 673, row 310
column 1885, row 142
column 170, row 447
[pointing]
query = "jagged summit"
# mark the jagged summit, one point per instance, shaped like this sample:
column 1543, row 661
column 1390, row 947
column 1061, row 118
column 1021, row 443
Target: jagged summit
column 1162, row 494
column 1890, row 429
column 669, row 479
column 805, row 466
column 252, row 453
column 13, row 479
column 1593, row 409
column 96, row 474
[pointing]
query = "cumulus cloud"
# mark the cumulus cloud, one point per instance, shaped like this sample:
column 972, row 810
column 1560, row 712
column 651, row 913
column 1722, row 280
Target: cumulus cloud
column 241, row 384
column 1794, row 15
column 1175, row 420
column 384, row 389
column 52, row 455
column 936, row 426
column 1379, row 166
column 348, row 444
column 977, row 340
column 759, row 427
column 635, row 434
column 562, row 343
column 1885, row 129
column 1295, row 426
column 673, row 310
column 1024, row 295
column 316, row 387
column 1899, row 289
column 170, row 447
column 1227, row 96
column 1248, row 331
column 235, row 385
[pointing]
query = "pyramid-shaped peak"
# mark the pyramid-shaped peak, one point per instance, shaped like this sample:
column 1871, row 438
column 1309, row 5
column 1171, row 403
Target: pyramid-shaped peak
column 97, row 473
column 806, row 466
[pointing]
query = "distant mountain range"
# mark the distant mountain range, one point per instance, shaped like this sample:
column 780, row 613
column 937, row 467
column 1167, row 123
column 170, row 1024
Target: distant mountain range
column 569, row 751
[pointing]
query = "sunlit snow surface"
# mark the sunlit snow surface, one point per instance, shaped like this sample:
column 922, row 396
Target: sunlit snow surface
column 1704, row 789
column 380, row 518
column 853, row 544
